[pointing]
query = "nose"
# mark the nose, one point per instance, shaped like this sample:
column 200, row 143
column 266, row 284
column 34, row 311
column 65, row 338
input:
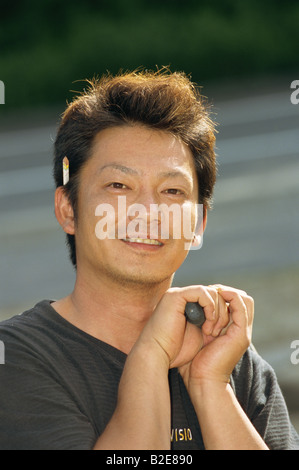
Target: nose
column 143, row 216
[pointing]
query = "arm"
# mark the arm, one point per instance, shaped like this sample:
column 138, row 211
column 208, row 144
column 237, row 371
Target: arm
column 205, row 359
column 142, row 416
column 223, row 422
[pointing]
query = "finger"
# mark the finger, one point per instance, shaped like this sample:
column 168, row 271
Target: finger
column 237, row 306
column 249, row 302
column 210, row 324
column 205, row 298
column 247, row 299
column 229, row 288
column 223, row 316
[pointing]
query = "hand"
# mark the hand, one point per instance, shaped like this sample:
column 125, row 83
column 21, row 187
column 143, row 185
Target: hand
column 168, row 330
column 209, row 353
column 226, row 343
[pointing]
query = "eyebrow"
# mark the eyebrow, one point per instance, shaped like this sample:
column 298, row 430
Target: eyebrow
column 174, row 174
column 119, row 167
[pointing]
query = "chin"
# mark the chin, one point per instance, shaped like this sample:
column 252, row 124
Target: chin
column 140, row 278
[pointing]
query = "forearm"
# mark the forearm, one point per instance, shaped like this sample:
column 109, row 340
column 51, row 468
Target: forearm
column 142, row 416
column 223, row 422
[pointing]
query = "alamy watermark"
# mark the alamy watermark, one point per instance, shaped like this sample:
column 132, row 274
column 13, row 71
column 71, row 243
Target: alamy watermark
column 2, row 92
column 2, row 353
column 295, row 94
column 295, row 354
column 151, row 225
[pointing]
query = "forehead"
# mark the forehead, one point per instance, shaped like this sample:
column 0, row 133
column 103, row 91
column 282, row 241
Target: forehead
column 143, row 150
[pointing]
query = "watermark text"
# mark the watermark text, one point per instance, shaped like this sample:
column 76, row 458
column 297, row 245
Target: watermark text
column 2, row 92
column 2, row 353
column 295, row 93
column 295, row 354
column 158, row 222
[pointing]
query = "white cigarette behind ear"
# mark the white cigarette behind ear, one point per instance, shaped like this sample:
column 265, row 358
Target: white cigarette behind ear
column 66, row 170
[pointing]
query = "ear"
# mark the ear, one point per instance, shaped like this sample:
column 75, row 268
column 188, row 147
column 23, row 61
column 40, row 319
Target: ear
column 197, row 238
column 64, row 212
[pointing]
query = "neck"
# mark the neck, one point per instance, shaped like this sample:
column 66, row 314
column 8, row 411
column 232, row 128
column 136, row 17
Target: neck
column 112, row 312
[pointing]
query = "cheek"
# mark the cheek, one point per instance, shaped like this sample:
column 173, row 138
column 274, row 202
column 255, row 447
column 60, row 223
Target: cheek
column 86, row 220
column 176, row 254
column 183, row 223
column 105, row 225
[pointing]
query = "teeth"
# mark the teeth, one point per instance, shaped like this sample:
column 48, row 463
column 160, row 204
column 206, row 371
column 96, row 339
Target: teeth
column 147, row 241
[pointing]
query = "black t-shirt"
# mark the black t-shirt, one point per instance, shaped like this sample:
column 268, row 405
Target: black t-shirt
column 58, row 389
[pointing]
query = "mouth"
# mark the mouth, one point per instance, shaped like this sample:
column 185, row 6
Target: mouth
column 143, row 241
column 143, row 245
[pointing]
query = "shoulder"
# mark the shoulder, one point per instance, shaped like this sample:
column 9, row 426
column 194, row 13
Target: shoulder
column 26, row 323
column 24, row 317
column 39, row 380
column 28, row 334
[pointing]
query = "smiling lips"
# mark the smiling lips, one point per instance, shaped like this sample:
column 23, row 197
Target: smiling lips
column 144, row 241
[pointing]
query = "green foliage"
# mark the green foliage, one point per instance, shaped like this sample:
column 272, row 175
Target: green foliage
column 45, row 46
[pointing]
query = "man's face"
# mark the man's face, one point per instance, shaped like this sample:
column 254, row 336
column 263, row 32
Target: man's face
column 134, row 165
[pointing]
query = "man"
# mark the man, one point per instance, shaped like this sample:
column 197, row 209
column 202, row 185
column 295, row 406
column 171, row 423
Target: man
column 115, row 365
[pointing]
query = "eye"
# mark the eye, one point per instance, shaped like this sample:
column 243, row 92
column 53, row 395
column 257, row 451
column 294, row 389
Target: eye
column 117, row 185
column 174, row 191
